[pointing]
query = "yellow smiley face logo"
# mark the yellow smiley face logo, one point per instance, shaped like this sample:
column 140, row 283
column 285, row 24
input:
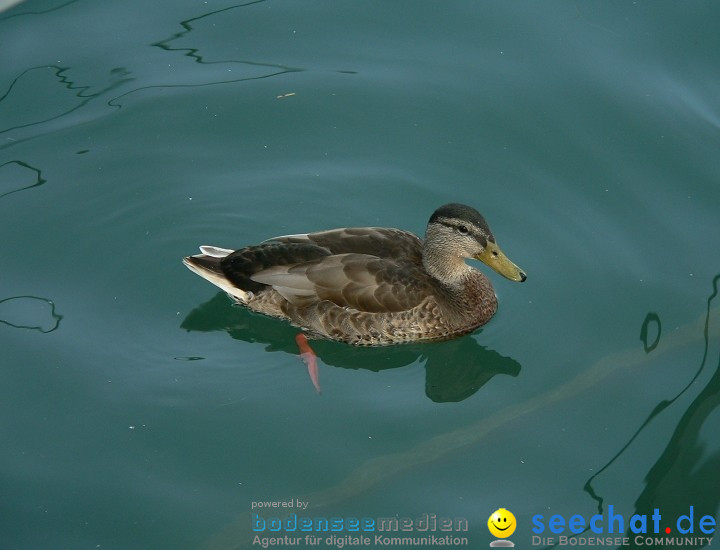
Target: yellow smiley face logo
column 501, row 523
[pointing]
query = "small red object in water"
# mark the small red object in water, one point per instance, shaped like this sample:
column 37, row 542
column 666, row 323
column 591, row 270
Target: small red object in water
column 310, row 359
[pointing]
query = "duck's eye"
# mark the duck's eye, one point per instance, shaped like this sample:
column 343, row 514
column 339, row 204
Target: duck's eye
column 463, row 229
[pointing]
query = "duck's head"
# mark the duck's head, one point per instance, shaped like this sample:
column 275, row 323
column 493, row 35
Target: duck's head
column 456, row 232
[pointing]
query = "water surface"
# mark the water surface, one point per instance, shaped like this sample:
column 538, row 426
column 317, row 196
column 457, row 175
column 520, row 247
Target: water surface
column 142, row 410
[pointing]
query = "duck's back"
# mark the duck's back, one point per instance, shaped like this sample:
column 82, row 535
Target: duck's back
column 375, row 241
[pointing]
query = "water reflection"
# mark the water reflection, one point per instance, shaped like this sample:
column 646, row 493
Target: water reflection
column 684, row 475
column 651, row 317
column 257, row 70
column 60, row 106
column 188, row 26
column 680, row 477
column 30, row 313
column 42, row 77
column 15, row 187
column 9, row 4
column 454, row 370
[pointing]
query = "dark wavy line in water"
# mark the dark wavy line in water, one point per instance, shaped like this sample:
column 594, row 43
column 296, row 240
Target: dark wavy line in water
column 39, row 181
column 664, row 465
column 41, row 12
column 679, row 464
column 56, row 317
column 651, row 317
column 164, row 45
column 68, row 84
column 112, row 102
column 193, row 53
column 187, row 25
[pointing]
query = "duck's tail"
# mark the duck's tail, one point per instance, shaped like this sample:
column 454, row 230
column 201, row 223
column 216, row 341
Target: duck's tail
column 208, row 266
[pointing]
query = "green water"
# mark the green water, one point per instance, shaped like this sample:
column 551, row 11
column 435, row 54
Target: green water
column 140, row 409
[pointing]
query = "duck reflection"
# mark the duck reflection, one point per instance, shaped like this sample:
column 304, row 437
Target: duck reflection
column 455, row 369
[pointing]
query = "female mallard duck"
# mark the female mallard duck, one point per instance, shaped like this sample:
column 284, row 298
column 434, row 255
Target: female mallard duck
column 369, row 286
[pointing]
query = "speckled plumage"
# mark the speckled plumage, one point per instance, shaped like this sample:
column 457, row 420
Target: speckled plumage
column 368, row 286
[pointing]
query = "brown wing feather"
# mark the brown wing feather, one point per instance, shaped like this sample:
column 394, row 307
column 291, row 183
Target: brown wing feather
column 358, row 281
column 376, row 241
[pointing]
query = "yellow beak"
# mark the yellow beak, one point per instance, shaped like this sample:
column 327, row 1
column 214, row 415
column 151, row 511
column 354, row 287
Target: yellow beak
column 494, row 257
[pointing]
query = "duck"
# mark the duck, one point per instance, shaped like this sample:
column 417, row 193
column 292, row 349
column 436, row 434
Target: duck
column 368, row 286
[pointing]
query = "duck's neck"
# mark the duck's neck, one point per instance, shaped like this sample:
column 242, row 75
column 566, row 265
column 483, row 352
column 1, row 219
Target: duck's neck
column 450, row 270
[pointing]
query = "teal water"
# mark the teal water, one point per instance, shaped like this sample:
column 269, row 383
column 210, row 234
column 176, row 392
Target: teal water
column 141, row 410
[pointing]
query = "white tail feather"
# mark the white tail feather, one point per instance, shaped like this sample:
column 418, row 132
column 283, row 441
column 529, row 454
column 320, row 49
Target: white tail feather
column 215, row 251
column 298, row 237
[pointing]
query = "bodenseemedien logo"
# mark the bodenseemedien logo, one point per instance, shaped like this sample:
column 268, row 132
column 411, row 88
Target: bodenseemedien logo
column 502, row 524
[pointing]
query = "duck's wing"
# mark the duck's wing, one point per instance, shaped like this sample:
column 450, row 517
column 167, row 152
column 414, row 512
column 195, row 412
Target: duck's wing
column 359, row 281
column 232, row 270
column 375, row 241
